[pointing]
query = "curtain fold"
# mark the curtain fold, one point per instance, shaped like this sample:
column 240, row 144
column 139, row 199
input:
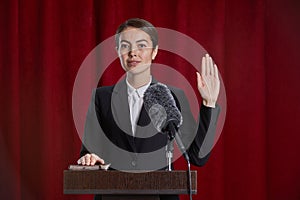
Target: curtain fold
column 254, row 43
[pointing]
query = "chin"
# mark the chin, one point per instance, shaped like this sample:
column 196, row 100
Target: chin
column 139, row 69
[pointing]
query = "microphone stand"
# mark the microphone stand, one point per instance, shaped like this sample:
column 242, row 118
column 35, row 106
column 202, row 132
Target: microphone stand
column 169, row 154
column 186, row 156
column 175, row 132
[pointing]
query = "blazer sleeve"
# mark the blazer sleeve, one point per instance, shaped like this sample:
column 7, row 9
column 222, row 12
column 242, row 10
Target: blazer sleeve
column 91, row 140
column 200, row 149
column 88, row 125
column 198, row 137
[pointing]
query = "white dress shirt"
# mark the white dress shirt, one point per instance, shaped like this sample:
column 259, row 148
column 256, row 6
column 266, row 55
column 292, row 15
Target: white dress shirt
column 135, row 100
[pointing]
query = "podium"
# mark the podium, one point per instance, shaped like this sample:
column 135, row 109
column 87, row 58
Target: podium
column 133, row 185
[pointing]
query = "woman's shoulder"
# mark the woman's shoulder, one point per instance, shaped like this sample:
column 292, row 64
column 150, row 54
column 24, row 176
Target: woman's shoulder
column 175, row 90
column 105, row 88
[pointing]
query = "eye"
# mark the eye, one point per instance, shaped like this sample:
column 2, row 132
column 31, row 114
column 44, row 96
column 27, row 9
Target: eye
column 124, row 46
column 140, row 46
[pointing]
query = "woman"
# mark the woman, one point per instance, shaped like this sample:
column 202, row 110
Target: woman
column 118, row 129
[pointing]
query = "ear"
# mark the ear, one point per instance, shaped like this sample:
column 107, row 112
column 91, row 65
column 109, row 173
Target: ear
column 154, row 52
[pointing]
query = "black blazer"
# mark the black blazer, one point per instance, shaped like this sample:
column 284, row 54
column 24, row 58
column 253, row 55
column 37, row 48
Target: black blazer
column 108, row 131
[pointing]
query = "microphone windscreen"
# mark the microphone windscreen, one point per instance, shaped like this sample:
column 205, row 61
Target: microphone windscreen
column 158, row 116
column 161, row 106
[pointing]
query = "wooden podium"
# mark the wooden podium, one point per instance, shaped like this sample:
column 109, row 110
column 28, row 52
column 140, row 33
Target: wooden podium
column 124, row 185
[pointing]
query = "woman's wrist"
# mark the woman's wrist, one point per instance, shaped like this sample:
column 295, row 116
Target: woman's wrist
column 207, row 103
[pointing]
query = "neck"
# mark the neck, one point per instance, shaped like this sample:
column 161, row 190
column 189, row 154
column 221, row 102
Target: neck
column 138, row 80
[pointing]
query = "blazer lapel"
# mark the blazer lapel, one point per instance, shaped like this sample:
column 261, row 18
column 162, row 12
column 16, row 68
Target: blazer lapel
column 120, row 107
column 144, row 118
column 145, row 128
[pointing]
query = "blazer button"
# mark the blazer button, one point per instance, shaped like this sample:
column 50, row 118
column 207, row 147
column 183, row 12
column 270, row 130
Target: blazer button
column 133, row 163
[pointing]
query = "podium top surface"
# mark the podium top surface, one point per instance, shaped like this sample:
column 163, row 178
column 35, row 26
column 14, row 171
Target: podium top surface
column 133, row 182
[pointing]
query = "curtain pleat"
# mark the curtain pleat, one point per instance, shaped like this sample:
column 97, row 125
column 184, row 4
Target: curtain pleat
column 254, row 43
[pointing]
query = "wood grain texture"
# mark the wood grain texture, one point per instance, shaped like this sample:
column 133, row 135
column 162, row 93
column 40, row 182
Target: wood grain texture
column 136, row 182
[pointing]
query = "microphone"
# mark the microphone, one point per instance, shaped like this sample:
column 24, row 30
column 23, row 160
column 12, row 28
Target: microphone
column 161, row 107
column 163, row 112
column 166, row 117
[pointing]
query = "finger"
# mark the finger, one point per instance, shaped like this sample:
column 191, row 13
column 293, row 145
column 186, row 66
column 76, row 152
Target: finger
column 79, row 161
column 93, row 160
column 82, row 159
column 98, row 159
column 199, row 80
column 211, row 66
column 207, row 63
column 198, row 76
column 101, row 161
column 87, row 159
column 216, row 72
column 203, row 68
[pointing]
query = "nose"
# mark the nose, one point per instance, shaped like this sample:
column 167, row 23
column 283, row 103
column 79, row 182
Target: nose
column 133, row 52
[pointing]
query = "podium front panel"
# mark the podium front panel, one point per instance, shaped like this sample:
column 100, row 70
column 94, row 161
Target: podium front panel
column 131, row 183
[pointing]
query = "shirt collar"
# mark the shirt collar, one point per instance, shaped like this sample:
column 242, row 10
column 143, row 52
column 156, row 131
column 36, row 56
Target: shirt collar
column 140, row 91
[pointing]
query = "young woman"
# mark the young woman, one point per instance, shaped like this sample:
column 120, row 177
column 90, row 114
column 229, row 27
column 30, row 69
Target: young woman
column 118, row 129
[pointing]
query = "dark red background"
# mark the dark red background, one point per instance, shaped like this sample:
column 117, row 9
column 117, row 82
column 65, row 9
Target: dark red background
column 254, row 42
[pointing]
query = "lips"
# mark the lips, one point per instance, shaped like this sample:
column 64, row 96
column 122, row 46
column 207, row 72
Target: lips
column 133, row 63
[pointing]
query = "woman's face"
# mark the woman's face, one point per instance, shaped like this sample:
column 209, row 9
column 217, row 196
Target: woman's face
column 135, row 50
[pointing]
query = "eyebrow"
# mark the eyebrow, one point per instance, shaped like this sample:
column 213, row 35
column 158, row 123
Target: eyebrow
column 125, row 41
column 142, row 40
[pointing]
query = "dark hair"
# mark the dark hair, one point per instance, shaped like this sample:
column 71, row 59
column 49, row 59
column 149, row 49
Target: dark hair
column 142, row 24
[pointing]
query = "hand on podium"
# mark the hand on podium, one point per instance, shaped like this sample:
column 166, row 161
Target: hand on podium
column 90, row 159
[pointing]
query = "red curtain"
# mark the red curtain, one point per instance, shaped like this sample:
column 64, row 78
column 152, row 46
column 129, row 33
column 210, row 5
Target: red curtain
column 254, row 42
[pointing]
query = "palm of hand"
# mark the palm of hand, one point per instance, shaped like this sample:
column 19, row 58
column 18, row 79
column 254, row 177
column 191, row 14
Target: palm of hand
column 208, row 82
